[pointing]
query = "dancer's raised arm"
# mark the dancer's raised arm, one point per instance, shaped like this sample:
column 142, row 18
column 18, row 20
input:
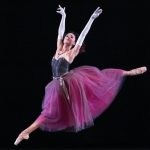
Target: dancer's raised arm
column 61, row 28
column 86, row 29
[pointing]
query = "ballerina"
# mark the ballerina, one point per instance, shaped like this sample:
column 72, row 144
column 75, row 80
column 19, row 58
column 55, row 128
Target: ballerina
column 74, row 98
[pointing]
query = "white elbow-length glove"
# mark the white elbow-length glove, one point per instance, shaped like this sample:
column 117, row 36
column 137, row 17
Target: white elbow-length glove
column 86, row 29
column 61, row 29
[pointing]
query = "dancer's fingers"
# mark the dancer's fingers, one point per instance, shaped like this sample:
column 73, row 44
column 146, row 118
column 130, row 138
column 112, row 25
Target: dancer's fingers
column 97, row 8
column 100, row 11
column 58, row 8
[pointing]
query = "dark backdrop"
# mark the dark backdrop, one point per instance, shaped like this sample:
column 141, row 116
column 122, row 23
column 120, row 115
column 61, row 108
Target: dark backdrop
column 119, row 38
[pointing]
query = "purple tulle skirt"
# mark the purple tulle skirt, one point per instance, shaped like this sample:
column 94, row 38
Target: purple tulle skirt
column 89, row 92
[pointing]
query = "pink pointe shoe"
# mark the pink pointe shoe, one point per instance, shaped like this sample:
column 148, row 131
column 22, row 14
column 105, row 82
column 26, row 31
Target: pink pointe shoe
column 22, row 136
column 136, row 71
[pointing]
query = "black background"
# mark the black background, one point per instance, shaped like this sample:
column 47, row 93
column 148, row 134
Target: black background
column 119, row 38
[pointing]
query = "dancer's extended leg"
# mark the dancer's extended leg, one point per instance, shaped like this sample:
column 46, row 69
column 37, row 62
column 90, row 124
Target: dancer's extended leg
column 136, row 71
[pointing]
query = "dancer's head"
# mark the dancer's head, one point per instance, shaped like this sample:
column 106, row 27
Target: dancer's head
column 71, row 39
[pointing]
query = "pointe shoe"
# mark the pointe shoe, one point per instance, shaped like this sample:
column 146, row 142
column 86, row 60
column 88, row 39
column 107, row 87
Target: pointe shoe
column 137, row 71
column 22, row 136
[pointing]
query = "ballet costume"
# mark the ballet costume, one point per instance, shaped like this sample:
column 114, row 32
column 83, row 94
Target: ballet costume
column 74, row 98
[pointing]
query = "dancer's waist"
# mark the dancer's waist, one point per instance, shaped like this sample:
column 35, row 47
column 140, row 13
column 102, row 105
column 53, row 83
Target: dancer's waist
column 61, row 76
column 63, row 85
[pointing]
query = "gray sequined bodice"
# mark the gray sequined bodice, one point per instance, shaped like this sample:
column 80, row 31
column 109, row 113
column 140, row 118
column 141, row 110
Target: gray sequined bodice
column 59, row 66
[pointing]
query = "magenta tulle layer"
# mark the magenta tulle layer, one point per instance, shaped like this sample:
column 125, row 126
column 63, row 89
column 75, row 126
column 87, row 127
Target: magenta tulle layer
column 91, row 91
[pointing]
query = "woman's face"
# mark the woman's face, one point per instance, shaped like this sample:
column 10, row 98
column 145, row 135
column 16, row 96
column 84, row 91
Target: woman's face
column 69, row 39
